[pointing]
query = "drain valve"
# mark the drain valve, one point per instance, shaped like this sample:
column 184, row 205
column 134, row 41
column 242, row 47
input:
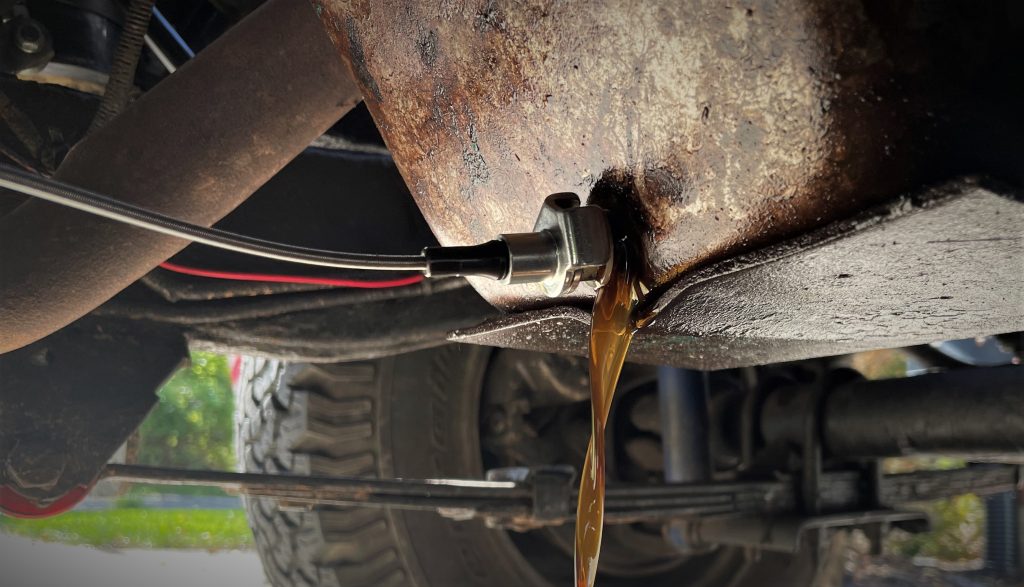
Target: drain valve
column 569, row 244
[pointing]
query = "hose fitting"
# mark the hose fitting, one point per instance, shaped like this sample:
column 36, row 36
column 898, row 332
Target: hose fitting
column 569, row 244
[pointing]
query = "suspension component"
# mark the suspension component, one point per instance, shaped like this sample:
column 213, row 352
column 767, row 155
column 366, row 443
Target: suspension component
column 196, row 164
column 509, row 497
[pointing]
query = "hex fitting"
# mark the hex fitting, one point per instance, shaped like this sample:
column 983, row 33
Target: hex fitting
column 34, row 465
column 30, row 37
column 570, row 244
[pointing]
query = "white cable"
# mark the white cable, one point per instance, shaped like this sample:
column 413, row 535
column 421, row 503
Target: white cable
column 160, row 55
column 73, row 197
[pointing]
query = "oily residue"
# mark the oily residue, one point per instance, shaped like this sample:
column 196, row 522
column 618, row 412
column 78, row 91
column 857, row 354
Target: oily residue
column 611, row 332
column 742, row 124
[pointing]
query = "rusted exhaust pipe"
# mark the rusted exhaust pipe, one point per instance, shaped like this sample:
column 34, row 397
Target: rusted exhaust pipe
column 194, row 147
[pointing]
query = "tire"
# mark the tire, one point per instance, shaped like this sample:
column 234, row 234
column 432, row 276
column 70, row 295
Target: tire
column 413, row 415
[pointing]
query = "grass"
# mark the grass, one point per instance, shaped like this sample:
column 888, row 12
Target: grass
column 139, row 528
column 142, row 489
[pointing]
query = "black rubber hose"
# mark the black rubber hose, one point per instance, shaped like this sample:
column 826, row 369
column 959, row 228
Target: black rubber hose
column 126, row 60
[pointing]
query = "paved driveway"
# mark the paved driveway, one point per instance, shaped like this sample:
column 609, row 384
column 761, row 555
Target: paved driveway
column 28, row 563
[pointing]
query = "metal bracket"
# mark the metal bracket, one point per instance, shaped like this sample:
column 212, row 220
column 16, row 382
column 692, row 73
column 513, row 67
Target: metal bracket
column 66, row 405
column 810, row 474
column 784, row 534
column 552, row 487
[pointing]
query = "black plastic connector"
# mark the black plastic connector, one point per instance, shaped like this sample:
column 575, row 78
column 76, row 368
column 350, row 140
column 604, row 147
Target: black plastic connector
column 490, row 259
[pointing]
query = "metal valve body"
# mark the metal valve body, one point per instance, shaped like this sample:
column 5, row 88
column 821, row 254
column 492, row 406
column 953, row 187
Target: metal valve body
column 569, row 244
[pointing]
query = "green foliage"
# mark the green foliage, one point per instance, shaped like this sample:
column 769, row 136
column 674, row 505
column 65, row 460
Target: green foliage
column 921, row 463
column 957, row 531
column 140, row 528
column 193, row 424
column 958, row 523
column 883, row 364
column 191, row 427
column 137, row 491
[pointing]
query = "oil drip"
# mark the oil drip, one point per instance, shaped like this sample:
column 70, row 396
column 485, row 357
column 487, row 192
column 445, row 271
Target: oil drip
column 610, row 334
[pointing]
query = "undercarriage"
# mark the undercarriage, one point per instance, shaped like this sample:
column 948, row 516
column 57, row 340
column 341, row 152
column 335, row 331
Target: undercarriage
column 794, row 185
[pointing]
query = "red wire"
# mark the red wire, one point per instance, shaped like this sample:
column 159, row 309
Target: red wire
column 381, row 284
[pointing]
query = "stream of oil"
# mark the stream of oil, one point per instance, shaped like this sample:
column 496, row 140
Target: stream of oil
column 610, row 334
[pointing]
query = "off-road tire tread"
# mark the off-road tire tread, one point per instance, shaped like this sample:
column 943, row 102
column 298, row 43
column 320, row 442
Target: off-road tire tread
column 402, row 416
column 317, row 420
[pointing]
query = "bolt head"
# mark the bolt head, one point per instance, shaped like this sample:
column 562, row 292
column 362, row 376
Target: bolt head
column 30, row 37
column 35, row 466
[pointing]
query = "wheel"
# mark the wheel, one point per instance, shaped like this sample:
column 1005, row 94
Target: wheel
column 417, row 415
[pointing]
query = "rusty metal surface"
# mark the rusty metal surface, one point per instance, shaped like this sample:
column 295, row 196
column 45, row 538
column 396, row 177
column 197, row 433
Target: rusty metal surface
column 711, row 128
column 912, row 272
column 67, row 402
column 194, row 147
